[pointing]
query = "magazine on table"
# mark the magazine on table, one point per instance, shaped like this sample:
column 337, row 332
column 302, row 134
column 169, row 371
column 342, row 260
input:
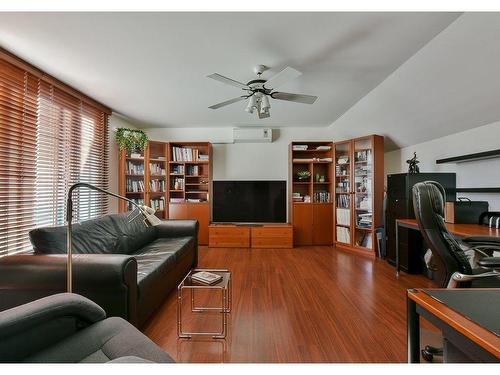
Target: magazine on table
column 206, row 277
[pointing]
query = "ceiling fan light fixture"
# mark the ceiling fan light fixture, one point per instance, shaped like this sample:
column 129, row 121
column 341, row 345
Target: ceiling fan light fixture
column 265, row 105
column 252, row 104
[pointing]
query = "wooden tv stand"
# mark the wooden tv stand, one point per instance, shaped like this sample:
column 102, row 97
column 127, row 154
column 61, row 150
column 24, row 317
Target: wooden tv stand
column 256, row 236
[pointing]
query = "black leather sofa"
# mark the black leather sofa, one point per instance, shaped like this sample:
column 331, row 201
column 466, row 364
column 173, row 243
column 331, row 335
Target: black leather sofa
column 122, row 265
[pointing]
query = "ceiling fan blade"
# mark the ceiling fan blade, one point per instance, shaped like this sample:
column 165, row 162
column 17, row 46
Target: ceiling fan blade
column 285, row 75
column 228, row 81
column 299, row 98
column 227, row 102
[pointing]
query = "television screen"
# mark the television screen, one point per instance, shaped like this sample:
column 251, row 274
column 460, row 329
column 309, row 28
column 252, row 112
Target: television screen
column 249, row 202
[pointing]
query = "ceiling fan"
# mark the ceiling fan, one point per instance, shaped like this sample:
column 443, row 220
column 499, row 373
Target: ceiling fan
column 259, row 90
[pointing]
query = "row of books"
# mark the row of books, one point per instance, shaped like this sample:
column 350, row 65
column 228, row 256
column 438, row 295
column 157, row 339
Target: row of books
column 133, row 186
column 187, row 154
column 343, row 201
column 189, row 200
column 158, row 204
column 155, row 168
column 131, row 207
column 192, row 170
column 157, row 185
column 365, row 240
column 365, row 155
column 135, row 168
column 177, row 169
column 343, row 235
column 364, row 220
column 177, row 183
column 343, row 216
column 321, row 197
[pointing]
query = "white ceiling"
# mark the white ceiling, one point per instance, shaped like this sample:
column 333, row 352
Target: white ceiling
column 449, row 86
column 152, row 67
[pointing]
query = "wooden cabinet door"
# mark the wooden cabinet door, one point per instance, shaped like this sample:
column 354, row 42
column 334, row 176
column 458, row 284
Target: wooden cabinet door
column 178, row 211
column 200, row 212
column 302, row 224
column 322, row 224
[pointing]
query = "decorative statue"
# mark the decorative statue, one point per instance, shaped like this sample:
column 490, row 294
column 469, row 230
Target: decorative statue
column 413, row 164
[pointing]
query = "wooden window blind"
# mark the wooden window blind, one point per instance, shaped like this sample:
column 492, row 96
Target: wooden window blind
column 49, row 139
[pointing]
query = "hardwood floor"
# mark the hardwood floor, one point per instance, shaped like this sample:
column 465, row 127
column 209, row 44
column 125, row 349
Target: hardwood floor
column 308, row 304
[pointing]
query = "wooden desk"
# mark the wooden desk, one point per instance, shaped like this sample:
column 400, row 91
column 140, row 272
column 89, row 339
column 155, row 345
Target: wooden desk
column 459, row 230
column 467, row 318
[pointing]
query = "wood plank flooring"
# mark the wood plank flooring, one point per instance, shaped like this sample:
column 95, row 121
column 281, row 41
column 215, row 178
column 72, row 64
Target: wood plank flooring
column 308, row 304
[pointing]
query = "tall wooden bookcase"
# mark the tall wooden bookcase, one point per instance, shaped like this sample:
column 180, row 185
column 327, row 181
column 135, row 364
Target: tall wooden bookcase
column 174, row 178
column 311, row 207
column 190, row 183
column 358, row 193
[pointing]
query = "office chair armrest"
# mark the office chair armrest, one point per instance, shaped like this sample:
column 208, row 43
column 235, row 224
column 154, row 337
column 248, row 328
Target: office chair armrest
column 490, row 262
column 458, row 278
column 483, row 243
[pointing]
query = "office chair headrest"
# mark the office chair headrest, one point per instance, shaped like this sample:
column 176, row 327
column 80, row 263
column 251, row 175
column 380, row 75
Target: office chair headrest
column 435, row 193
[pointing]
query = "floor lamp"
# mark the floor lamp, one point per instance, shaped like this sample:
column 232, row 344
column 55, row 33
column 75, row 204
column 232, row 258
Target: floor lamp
column 150, row 219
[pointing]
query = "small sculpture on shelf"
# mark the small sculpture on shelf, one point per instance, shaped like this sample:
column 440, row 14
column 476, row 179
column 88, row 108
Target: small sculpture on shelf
column 303, row 175
column 413, row 164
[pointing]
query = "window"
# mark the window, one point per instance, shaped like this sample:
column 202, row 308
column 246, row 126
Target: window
column 50, row 138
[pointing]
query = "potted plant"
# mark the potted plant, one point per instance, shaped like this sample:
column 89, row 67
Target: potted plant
column 132, row 140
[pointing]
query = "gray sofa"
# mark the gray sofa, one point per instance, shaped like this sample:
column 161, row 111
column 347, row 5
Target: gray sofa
column 122, row 265
column 68, row 328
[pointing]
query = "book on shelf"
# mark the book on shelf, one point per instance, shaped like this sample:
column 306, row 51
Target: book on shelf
column 134, row 168
column 157, row 186
column 343, row 201
column 156, row 169
column 303, row 160
column 177, row 183
column 195, row 200
column 321, row 197
column 187, row 154
column 323, row 148
column 158, row 204
column 177, row 200
column 300, row 147
column 134, row 186
column 363, row 156
column 364, row 220
column 343, row 235
column 206, row 277
column 177, row 169
column 343, row 216
column 192, row 170
column 131, row 207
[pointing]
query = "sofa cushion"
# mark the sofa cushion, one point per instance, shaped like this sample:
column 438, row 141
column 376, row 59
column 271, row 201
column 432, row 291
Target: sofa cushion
column 102, row 342
column 110, row 234
column 159, row 257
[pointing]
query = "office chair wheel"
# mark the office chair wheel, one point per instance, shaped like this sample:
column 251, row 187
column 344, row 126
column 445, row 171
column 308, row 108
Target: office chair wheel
column 429, row 352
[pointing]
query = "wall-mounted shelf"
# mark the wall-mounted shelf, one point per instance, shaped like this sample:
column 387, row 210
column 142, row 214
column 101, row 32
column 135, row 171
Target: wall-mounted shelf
column 470, row 157
column 478, row 190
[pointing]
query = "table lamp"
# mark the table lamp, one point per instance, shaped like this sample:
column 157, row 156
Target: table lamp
column 148, row 213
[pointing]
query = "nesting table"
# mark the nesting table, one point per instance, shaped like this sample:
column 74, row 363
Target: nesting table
column 189, row 286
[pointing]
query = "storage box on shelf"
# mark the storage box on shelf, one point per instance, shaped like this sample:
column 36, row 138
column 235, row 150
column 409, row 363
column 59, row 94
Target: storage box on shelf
column 311, row 192
column 189, row 188
column 359, row 192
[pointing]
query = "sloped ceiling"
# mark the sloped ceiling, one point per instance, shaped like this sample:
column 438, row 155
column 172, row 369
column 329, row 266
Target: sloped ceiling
column 152, row 67
column 450, row 85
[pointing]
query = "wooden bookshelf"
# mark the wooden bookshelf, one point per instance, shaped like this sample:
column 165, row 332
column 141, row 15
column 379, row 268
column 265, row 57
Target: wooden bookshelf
column 312, row 213
column 358, row 193
column 143, row 178
column 190, row 183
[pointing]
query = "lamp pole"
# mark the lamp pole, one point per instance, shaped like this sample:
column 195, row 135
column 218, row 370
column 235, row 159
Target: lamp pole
column 147, row 212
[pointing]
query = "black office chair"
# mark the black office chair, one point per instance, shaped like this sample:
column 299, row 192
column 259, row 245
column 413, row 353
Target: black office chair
column 468, row 263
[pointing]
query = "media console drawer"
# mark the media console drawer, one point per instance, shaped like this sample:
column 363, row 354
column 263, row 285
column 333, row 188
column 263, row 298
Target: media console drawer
column 228, row 236
column 265, row 236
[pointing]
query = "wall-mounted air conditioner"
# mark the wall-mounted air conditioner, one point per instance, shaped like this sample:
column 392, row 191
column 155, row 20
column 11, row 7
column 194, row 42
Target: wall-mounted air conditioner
column 252, row 135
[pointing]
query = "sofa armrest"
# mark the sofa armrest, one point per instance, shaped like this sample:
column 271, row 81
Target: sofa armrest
column 110, row 280
column 28, row 328
column 178, row 228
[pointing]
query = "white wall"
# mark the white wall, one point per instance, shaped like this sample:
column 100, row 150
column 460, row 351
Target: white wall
column 115, row 121
column 249, row 161
column 480, row 173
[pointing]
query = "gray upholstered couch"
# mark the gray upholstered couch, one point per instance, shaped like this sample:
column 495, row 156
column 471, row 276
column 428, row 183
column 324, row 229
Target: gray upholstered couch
column 68, row 328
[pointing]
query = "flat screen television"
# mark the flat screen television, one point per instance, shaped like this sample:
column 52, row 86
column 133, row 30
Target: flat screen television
column 249, row 202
